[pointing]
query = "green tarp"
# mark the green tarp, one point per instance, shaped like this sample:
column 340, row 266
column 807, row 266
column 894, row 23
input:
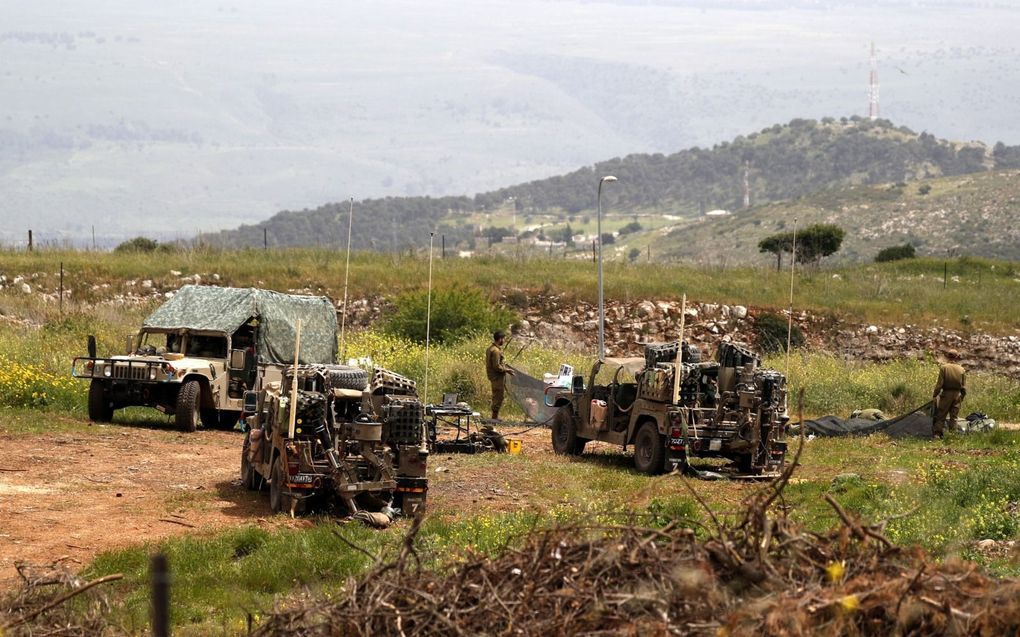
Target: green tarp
column 216, row 309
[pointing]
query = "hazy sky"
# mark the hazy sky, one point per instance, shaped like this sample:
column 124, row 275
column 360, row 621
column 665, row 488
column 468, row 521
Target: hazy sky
column 169, row 118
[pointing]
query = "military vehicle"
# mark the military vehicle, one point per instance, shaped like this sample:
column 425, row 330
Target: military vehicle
column 729, row 408
column 348, row 443
column 196, row 355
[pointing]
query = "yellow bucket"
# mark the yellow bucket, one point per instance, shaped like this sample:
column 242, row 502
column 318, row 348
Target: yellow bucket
column 514, row 445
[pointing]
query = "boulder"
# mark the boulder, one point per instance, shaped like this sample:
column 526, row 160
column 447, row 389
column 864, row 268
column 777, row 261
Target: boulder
column 739, row 311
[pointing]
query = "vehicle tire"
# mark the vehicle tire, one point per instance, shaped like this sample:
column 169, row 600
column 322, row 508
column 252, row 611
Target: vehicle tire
column 345, row 377
column 228, row 419
column 564, row 433
column 219, row 419
column 249, row 477
column 186, row 413
column 278, row 500
column 649, row 449
column 100, row 406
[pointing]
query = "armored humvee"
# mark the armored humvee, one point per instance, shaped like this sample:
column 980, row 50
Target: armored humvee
column 196, row 355
column 354, row 444
column 730, row 408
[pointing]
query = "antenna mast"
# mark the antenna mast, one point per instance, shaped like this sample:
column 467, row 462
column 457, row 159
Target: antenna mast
column 747, row 184
column 873, row 87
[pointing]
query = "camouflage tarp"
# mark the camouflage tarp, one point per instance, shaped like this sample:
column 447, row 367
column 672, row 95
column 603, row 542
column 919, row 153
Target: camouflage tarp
column 216, row 309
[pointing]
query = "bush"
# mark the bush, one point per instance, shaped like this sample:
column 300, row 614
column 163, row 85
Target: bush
column 458, row 313
column 924, row 189
column 138, row 244
column 633, row 226
column 896, row 253
column 771, row 332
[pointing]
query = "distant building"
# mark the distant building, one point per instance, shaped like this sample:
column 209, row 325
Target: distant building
column 717, row 213
column 465, row 254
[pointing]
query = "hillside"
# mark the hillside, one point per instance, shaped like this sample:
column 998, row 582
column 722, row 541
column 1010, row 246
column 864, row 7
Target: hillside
column 964, row 215
column 784, row 162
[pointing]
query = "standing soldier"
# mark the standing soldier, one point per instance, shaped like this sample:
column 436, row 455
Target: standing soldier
column 497, row 371
column 950, row 391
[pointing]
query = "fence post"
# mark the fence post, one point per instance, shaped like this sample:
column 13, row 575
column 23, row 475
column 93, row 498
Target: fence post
column 61, row 303
column 29, row 240
column 160, row 575
column 265, row 238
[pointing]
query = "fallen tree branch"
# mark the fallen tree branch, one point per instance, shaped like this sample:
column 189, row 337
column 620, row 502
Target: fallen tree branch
column 63, row 598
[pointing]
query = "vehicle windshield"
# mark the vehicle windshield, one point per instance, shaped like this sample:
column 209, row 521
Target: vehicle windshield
column 205, row 346
column 159, row 343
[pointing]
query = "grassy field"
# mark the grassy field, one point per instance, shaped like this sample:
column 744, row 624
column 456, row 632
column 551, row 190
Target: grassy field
column 978, row 293
column 956, row 492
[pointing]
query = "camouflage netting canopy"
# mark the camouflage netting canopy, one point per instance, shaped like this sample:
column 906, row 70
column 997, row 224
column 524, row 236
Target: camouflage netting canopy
column 216, row 309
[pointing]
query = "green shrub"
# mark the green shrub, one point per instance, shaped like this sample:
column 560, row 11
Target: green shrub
column 896, row 253
column 771, row 332
column 138, row 244
column 458, row 313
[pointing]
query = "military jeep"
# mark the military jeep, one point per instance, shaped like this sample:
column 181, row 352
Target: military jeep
column 347, row 445
column 729, row 408
column 196, row 355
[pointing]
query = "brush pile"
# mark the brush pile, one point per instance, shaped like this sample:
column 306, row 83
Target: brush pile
column 759, row 575
column 38, row 606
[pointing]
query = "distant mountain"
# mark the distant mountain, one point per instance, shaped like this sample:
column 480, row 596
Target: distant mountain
column 782, row 163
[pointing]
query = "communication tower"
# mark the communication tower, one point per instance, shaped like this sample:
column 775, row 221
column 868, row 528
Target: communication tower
column 747, row 184
column 873, row 87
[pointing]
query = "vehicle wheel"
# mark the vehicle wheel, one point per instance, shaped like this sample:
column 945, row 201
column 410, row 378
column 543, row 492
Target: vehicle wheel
column 100, row 407
column 278, row 501
column 249, row 478
column 345, row 377
column 564, row 433
column 186, row 412
column 649, row 449
column 219, row 419
column 228, row 419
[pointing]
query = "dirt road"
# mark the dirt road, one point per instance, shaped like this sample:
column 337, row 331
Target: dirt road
column 86, row 488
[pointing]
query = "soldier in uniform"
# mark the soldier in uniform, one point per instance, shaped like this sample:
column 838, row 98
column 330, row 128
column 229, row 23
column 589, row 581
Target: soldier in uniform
column 950, row 391
column 497, row 371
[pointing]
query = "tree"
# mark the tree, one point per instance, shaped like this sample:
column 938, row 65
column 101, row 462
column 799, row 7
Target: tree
column 819, row 240
column 777, row 244
column 608, row 239
column 633, row 255
column 895, row 253
column 924, row 189
column 813, row 243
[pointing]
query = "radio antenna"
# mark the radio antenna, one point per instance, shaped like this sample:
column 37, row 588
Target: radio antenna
column 347, row 272
column 789, row 325
column 428, row 322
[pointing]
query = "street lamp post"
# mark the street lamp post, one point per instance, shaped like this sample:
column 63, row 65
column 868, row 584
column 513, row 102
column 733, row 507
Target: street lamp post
column 602, row 306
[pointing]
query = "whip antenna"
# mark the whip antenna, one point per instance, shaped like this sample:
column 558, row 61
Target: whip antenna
column 789, row 325
column 679, row 353
column 347, row 272
column 428, row 322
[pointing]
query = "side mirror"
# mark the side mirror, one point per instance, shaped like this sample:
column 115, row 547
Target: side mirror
column 251, row 402
column 92, row 346
column 237, row 358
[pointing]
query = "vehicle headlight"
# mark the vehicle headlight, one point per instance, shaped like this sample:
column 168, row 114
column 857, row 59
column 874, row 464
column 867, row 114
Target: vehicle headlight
column 152, row 373
column 107, row 370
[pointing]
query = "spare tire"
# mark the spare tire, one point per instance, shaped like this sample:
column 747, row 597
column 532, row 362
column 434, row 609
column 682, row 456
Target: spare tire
column 346, row 377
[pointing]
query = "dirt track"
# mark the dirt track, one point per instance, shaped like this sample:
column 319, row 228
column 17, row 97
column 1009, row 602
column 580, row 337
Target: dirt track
column 74, row 494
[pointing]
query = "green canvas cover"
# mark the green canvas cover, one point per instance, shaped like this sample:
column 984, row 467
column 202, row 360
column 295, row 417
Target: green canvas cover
column 216, row 309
